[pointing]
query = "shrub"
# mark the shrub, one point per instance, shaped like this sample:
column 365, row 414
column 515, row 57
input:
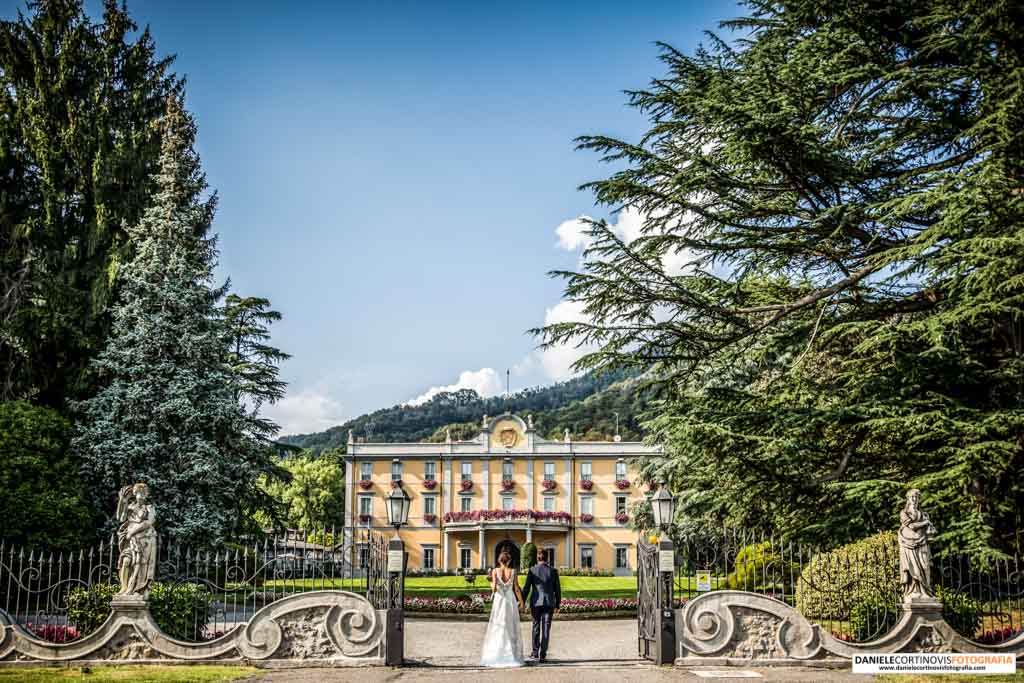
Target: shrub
column 577, row 571
column 758, row 567
column 832, row 582
column 961, row 611
column 872, row 616
column 527, row 556
column 178, row 609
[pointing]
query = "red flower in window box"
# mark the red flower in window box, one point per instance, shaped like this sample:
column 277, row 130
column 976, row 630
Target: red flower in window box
column 549, row 484
column 507, row 484
column 586, row 484
column 622, row 518
column 363, row 519
column 622, row 484
column 396, row 483
column 586, row 518
column 365, row 484
column 430, row 484
column 429, row 519
column 466, row 484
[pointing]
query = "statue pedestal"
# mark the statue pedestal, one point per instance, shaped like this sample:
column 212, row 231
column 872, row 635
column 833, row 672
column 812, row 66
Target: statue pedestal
column 129, row 605
column 925, row 605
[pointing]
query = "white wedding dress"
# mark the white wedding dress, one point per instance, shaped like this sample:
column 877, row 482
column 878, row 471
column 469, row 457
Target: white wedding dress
column 503, row 644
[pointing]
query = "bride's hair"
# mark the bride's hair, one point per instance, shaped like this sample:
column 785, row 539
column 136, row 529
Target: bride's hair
column 504, row 559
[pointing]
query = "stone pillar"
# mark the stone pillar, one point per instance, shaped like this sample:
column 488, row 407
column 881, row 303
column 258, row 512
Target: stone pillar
column 567, row 487
column 568, row 550
column 446, row 486
column 444, row 550
column 529, row 532
column 530, row 503
column 483, row 548
column 486, row 466
column 350, row 495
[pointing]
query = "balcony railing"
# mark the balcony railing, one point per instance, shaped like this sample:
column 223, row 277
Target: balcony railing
column 476, row 516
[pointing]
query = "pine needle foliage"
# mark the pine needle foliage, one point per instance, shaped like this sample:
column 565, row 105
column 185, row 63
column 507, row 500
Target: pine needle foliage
column 844, row 181
column 169, row 412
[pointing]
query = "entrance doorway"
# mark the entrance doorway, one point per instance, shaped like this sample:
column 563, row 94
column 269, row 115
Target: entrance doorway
column 513, row 551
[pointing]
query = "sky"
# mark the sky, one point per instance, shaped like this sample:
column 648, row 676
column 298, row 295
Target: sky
column 399, row 177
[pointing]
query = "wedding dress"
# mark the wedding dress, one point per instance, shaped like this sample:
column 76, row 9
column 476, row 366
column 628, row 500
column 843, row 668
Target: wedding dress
column 503, row 645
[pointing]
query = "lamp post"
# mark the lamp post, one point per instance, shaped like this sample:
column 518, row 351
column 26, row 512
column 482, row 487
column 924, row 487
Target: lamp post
column 663, row 507
column 397, row 505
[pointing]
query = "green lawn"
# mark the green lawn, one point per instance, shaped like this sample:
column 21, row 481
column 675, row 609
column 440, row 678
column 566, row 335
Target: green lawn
column 135, row 674
column 949, row 678
column 449, row 586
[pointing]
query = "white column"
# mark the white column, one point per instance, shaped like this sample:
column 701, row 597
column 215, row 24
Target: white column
column 529, row 532
column 444, row 550
column 567, row 488
column 568, row 550
column 350, row 496
column 483, row 549
column 486, row 465
column 446, row 486
column 530, row 504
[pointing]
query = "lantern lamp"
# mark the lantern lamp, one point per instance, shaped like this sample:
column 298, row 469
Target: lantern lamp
column 663, row 506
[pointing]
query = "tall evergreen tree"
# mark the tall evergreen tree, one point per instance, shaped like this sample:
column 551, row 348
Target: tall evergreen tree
column 847, row 178
column 78, row 149
column 169, row 412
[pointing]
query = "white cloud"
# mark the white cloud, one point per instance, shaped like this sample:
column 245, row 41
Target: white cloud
column 310, row 410
column 572, row 234
column 484, row 381
column 557, row 361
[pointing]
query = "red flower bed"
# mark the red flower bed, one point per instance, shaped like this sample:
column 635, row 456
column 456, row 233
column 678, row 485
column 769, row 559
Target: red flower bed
column 549, row 484
column 53, row 633
column 430, row 484
column 622, row 518
column 365, row 484
column 998, row 636
column 507, row 484
column 622, row 484
column 586, row 518
column 466, row 484
column 586, row 484
column 501, row 515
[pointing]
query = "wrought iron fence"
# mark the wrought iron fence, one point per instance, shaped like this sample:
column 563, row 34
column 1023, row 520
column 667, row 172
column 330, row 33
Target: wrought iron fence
column 983, row 601
column 199, row 593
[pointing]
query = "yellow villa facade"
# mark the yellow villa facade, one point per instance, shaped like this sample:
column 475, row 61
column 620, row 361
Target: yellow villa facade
column 473, row 499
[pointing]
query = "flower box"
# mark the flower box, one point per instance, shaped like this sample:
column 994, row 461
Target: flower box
column 365, row 484
column 622, row 484
column 506, row 515
column 549, row 484
column 622, row 518
column 586, row 484
column 586, row 518
column 430, row 484
column 507, row 484
column 396, row 483
column 429, row 519
column 365, row 519
column 466, row 485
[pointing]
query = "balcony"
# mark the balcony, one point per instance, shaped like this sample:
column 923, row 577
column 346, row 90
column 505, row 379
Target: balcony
column 506, row 519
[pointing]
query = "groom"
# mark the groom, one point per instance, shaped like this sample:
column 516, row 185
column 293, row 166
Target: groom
column 543, row 593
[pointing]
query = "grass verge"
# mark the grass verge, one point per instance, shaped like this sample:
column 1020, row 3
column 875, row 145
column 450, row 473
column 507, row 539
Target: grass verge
column 135, row 674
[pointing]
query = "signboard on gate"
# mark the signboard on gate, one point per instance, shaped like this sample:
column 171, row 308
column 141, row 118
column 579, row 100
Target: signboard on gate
column 703, row 582
column 395, row 560
column 666, row 561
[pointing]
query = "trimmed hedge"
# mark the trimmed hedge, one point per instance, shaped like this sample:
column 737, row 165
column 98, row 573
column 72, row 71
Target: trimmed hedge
column 178, row 609
column 757, row 567
column 831, row 583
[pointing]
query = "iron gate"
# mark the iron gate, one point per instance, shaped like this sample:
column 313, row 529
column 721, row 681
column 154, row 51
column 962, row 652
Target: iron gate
column 655, row 619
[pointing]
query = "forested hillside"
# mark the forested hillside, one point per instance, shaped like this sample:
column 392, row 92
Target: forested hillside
column 586, row 406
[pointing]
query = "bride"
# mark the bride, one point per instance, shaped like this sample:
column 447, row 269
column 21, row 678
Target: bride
column 503, row 646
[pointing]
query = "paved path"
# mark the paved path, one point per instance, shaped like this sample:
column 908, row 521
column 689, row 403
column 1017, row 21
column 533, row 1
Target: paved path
column 602, row 651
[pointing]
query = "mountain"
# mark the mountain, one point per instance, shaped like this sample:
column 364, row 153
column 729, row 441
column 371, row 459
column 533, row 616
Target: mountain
column 586, row 406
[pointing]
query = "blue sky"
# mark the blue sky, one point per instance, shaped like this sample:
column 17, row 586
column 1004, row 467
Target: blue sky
column 392, row 175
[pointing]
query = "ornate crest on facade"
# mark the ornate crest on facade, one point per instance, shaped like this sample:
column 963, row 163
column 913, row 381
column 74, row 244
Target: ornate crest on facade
column 508, row 437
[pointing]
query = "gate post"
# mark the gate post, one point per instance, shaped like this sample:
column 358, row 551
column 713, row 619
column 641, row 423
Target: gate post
column 394, row 641
column 665, row 621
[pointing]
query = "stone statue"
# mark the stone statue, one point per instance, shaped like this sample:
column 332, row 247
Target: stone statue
column 351, row 437
column 136, row 539
column 529, row 421
column 915, row 557
column 447, row 435
column 567, row 437
column 484, row 425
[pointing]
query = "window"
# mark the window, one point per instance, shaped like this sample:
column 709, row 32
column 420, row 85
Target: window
column 429, row 505
column 621, row 557
column 506, row 469
column 365, row 505
column 506, row 502
column 620, row 504
column 429, row 470
column 428, row 558
column 586, row 505
column 464, row 558
column 467, row 471
column 365, row 470
column 396, row 471
column 364, row 556
column 586, row 471
column 466, row 502
column 549, row 503
column 620, row 470
column 586, row 557
column 549, row 470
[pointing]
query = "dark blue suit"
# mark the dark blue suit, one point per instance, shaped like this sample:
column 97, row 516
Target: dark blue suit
column 543, row 593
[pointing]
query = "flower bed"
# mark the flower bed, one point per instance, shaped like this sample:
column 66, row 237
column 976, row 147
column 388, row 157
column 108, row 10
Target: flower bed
column 466, row 484
column 586, row 518
column 998, row 636
column 53, row 633
column 501, row 515
column 586, row 484
column 622, row 484
column 578, row 571
column 507, row 484
column 549, row 484
column 479, row 603
column 365, row 484
column 430, row 484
